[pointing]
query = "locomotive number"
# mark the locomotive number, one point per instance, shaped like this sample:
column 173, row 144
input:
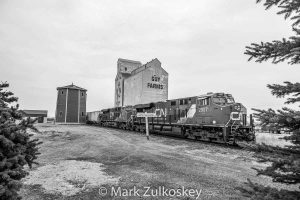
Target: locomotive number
column 205, row 109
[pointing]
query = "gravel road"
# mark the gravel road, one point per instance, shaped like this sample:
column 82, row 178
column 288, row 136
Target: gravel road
column 88, row 162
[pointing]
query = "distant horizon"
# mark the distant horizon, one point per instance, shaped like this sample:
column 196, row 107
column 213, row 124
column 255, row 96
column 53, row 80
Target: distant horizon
column 48, row 44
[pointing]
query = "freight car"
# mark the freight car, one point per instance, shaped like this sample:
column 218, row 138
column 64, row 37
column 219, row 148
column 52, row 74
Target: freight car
column 93, row 117
column 210, row 117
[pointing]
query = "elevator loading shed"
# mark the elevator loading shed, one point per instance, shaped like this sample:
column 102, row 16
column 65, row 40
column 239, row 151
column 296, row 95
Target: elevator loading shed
column 40, row 115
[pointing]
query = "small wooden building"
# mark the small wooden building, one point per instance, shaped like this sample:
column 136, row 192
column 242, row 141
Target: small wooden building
column 71, row 104
column 41, row 115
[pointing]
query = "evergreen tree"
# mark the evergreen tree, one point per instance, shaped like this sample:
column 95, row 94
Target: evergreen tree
column 280, row 50
column 285, row 161
column 16, row 148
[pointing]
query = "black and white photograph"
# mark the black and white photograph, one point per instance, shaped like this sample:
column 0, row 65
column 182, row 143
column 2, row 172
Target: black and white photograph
column 149, row 99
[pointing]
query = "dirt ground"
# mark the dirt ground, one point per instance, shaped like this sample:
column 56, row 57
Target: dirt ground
column 88, row 162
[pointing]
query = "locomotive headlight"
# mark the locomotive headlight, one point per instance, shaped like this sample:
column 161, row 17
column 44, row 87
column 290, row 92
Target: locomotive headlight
column 214, row 122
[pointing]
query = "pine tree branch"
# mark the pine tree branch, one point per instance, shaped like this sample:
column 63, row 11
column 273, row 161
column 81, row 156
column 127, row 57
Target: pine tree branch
column 266, row 151
column 277, row 51
column 288, row 8
column 285, row 161
column 16, row 148
column 285, row 118
column 287, row 89
column 284, row 169
column 256, row 191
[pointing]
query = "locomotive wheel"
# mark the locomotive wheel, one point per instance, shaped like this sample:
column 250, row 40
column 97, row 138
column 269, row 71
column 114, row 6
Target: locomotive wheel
column 184, row 133
column 192, row 137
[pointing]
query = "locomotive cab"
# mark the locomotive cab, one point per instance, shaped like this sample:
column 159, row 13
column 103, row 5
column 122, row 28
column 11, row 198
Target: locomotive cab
column 222, row 99
column 231, row 110
column 215, row 108
column 221, row 110
column 237, row 121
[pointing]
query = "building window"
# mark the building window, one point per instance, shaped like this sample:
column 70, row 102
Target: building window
column 60, row 113
column 181, row 102
column 173, row 103
column 82, row 94
column 62, row 92
column 125, row 68
column 82, row 114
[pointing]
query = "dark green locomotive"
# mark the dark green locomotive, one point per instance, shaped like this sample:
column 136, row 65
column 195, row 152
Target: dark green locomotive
column 211, row 117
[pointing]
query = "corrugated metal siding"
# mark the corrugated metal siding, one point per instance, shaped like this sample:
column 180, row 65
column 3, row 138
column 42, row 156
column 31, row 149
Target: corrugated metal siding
column 137, row 90
column 154, row 94
column 125, row 67
column 133, row 90
column 118, row 91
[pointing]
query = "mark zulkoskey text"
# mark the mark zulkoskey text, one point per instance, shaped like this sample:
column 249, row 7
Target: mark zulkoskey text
column 150, row 192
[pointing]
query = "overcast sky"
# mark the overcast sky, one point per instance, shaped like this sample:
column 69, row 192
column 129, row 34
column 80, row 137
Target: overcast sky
column 49, row 43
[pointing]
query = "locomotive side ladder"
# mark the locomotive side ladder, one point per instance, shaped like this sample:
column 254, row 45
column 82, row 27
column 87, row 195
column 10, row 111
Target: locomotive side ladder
column 233, row 128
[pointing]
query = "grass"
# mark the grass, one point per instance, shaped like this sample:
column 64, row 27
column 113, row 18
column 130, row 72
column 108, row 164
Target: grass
column 272, row 139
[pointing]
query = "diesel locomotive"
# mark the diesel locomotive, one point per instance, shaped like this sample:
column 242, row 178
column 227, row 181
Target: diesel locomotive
column 211, row 117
